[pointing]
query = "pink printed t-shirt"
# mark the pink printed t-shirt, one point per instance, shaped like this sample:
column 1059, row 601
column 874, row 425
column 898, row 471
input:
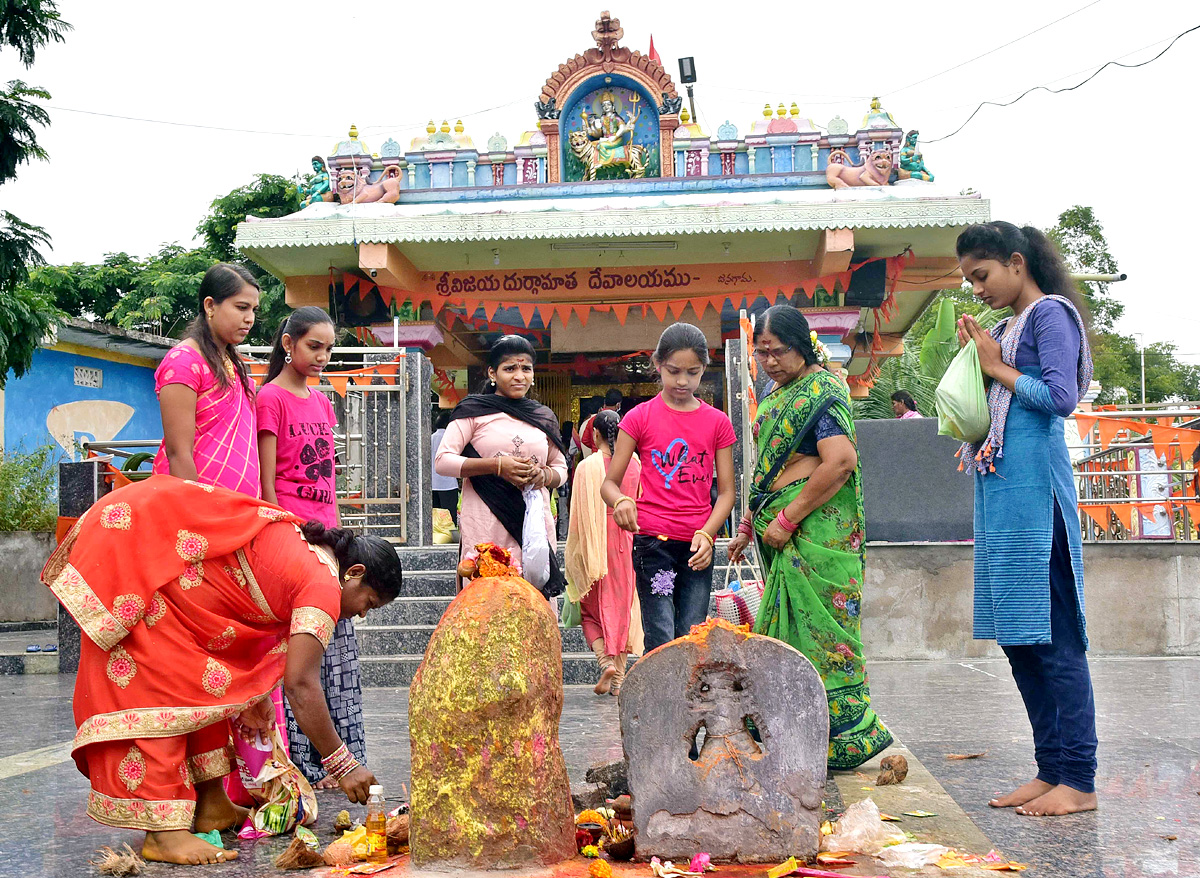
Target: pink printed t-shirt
column 678, row 452
column 225, row 447
column 304, row 454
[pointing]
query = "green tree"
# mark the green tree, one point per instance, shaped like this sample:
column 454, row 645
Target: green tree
column 1080, row 238
column 26, row 316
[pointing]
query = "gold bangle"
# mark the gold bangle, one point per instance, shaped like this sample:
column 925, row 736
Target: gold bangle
column 497, row 464
column 711, row 542
column 622, row 499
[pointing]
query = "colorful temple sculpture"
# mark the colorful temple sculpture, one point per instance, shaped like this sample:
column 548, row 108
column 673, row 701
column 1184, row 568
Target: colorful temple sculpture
column 619, row 205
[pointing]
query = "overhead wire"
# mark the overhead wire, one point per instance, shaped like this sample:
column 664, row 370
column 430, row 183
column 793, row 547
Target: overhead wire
column 991, row 51
column 1055, row 91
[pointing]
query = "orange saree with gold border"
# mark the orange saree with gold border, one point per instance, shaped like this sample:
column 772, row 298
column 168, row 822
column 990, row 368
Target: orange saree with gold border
column 186, row 595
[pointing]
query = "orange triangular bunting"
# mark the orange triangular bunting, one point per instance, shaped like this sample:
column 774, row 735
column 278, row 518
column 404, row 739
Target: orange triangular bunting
column 1124, row 514
column 1098, row 514
column 582, row 312
column 1109, row 428
column 1085, row 424
column 620, row 311
column 1189, row 441
column 526, row 310
column 436, row 304
column 490, row 310
column 659, row 309
column 1163, row 437
column 387, row 294
column 337, row 382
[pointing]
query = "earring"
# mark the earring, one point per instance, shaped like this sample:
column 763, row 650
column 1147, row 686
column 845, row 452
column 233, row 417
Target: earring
column 288, row 357
column 346, row 577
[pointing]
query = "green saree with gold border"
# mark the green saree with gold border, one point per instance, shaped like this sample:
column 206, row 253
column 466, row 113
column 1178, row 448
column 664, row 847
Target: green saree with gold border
column 813, row 594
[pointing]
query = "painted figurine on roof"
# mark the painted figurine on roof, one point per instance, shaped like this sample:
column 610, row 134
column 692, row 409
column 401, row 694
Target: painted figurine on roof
column 912, row 163
column 606, row 140
column 318, row 187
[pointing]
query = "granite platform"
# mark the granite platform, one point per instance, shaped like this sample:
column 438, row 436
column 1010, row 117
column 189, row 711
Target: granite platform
column 1148, row 782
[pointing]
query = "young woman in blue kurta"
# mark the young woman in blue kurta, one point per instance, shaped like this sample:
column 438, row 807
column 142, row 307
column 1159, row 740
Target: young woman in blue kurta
column 1028, row 552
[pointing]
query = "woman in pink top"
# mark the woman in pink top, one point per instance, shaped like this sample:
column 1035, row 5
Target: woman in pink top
column 205, row 393
column 500, row 443
column 681, row 441
column 295, row 444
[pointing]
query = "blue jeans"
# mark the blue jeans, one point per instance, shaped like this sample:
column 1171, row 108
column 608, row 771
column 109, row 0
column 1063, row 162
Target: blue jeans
column 661, row 563
column 1055, row 683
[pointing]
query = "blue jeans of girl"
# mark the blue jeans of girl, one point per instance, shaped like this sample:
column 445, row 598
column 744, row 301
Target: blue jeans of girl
column 674, row 597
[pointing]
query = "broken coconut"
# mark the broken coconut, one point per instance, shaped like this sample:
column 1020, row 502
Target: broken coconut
column 893, row 770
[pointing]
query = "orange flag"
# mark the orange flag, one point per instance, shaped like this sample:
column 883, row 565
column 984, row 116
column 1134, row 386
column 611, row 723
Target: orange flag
column 1109, row 428
column 1098, row 514
column 1085, row 424
column 1163, row 439
column 1189, row 441
column 620, row 311
column 583, row 312
column 659, row 309
column 362, row 377
column 1124, row 514
column 337, row 382
column 526, row 310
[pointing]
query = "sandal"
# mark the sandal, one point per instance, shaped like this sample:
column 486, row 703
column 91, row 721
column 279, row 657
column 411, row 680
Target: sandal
column 33, row 647
column 50, row 647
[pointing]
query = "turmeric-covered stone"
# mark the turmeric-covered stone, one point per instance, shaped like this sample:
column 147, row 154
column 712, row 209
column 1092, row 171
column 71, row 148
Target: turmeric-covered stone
column 489, row 784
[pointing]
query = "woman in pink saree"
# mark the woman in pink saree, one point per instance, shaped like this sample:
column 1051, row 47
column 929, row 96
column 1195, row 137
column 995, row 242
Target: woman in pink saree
column 206, row 395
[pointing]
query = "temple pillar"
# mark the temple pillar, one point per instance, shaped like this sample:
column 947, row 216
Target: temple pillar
column 549, row 128
column 666, row 136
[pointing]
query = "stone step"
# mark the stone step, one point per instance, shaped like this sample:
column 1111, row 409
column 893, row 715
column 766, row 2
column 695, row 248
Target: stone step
column 398, row 670
column 428, row 610
column 413, row 639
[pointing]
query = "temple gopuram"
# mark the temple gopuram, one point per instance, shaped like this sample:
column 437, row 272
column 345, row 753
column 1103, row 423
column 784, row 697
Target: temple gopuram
column 617, row 215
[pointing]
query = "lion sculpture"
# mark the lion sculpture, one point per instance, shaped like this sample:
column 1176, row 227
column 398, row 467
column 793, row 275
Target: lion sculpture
column 589, row 153
column 875, row 171
column 353, row 188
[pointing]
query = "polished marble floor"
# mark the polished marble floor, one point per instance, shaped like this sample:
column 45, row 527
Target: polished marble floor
column 1148, row 783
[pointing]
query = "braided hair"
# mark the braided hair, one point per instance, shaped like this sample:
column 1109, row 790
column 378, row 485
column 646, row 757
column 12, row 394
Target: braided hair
column 384, row 573
column 608, row 423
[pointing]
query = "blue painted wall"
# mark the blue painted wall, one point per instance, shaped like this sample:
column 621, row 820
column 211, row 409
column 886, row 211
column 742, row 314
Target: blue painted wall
column 50, row 383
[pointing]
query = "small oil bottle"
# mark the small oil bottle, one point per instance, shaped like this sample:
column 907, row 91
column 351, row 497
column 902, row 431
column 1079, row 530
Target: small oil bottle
column 376, row 826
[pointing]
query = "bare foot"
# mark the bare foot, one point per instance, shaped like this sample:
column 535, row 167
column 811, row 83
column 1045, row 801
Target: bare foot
column 214, row 810
column 606, row 678
column 180, row 846
column 1022, row 794
column 326, row 783
column 1059, row 801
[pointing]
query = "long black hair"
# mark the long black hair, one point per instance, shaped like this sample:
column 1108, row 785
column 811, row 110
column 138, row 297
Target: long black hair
column 222, row 281
column 790, row 326
column 681, row 337
column 384, row 573
column 608, row 423
column 297, row 325
column 1000, row 240
column 903, row 396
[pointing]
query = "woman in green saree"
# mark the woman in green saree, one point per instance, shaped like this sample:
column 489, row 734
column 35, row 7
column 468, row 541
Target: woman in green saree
column 806, row 518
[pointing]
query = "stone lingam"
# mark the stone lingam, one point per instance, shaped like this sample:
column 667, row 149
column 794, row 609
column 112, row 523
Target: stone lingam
column 726, row 734
column 489, row 783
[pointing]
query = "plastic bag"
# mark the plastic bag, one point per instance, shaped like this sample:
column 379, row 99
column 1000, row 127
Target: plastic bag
column 535, row 548
column 443, row 526
column 283, row 797
column 862, row 831
column 962, row 400
column 738, row 602
column 911, row 855
column 571, row 616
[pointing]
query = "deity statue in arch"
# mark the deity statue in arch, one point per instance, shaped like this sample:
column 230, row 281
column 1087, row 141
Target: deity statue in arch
column 612, row 133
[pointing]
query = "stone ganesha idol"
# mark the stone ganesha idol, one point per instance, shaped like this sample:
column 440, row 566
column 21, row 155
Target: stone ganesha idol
column 727, row 735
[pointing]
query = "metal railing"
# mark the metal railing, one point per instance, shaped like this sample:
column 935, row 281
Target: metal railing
column 1153, row 491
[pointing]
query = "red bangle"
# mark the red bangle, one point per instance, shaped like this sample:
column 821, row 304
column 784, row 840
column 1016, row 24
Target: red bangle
column 784, row 523
column 746, row 528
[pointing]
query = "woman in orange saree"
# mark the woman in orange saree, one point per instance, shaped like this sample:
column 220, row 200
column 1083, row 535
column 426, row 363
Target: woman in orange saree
column 195, row 602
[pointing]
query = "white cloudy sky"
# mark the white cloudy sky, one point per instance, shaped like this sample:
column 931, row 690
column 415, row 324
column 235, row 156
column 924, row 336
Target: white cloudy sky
column 299, row 73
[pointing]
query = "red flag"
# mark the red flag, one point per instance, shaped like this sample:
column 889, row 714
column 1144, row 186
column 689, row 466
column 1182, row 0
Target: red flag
column 653, row 54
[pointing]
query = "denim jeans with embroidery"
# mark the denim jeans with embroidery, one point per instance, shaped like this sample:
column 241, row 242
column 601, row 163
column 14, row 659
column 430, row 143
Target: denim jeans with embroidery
column 662, row 566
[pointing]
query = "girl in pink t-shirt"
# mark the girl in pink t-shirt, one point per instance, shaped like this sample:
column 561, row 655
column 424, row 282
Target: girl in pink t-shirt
column 681, row 441
column 296, row 447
